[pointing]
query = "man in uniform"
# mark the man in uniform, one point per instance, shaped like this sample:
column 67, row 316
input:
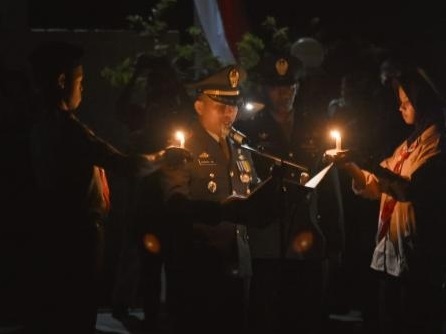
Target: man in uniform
column 209, row 263
column 290, row 257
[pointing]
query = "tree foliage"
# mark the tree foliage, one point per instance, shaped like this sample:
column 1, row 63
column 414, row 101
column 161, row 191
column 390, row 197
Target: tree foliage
column 194, row 59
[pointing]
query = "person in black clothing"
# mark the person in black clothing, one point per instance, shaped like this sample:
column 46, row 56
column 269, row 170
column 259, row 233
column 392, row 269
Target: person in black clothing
column 150, row 124
column 72, row 193
column 290, row 258
column 17, row 186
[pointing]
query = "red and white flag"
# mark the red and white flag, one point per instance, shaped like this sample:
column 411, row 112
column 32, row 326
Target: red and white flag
column 223, row 24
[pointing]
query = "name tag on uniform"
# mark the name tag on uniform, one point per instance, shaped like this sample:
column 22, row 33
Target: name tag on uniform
column 204, row 159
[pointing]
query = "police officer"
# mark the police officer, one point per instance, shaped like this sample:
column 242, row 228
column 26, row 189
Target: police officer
column 289, row 258
column 209, row 263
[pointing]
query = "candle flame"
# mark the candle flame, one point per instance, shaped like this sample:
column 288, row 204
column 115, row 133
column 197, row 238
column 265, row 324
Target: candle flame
column 335, row 134
column 179, row 135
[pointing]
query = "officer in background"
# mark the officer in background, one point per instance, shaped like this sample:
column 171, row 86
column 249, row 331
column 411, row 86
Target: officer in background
column 209, row 265
column 290, row 266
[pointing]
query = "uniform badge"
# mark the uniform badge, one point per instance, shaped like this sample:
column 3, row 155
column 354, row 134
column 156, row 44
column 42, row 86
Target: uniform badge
column 244, row 166
column 245, row 178
column 212, row 186
column 234, row 77
column 281, row 66
column 204, row 159
column 203, row 155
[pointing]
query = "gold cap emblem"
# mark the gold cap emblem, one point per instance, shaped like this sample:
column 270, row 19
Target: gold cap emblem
column 281, row 66
column 234, row 77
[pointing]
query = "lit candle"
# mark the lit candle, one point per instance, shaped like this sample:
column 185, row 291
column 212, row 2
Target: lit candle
column 179, row 135
column 337, row 136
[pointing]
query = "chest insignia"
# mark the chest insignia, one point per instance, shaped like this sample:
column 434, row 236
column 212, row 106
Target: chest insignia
column 204, row 159
column 244, row 166
column 245, row 178
column 212, row 186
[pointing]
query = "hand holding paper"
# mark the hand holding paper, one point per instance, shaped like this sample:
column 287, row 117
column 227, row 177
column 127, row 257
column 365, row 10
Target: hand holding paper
column 391, row 183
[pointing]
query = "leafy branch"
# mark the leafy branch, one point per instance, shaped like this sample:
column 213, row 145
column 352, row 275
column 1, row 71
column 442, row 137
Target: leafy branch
column 152, row 26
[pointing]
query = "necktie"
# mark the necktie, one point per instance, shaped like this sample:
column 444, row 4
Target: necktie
column 225, row 147
column 105, row 188
column 389, row 204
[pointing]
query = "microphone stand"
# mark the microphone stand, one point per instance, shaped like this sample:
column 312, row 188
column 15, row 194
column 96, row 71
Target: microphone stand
column 242, row 140
column 279, row 161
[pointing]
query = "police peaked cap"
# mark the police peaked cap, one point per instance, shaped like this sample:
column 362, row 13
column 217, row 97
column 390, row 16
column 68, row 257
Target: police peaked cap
column 222, row 86
column 278, row 70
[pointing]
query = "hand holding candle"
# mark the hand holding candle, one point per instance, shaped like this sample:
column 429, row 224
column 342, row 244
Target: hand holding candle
column 338, row 148
column 176, row 154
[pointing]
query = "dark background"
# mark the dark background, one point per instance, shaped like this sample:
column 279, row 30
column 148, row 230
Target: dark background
column 414, row 28
column 378, row 20
column 381, row 21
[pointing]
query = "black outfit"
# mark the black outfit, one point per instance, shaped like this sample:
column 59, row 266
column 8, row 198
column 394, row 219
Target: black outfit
column 66, row 156
column 149, row 221
column 208, row 265
column 18, row 210
column 362, row 114
column 290, row 257
column 150, row 125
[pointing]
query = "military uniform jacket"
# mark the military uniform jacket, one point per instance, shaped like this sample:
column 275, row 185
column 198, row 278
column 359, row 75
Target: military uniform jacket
column 310, row 225
column 193, row 193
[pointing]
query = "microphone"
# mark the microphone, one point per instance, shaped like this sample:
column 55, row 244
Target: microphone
column 237, row 136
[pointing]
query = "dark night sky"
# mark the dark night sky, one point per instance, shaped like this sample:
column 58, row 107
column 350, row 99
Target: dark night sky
column 378, row 20
column 412, row 27
column 100, row 14
column 368, row 17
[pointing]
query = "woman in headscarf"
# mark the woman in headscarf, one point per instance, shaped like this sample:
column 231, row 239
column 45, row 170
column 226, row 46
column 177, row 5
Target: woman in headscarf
column 410, row 252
